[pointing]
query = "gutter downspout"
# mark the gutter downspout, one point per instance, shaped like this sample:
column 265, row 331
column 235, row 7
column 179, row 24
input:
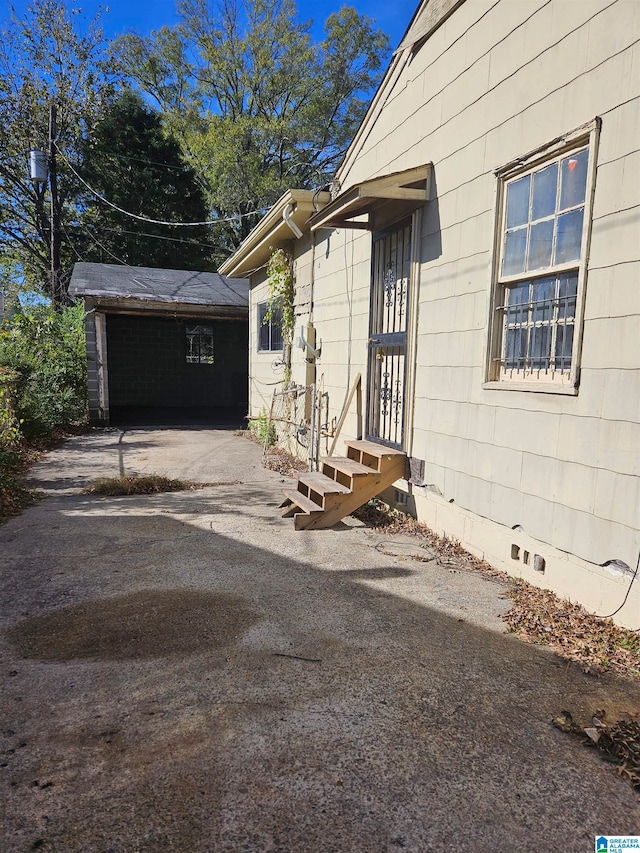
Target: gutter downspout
column 291, row 225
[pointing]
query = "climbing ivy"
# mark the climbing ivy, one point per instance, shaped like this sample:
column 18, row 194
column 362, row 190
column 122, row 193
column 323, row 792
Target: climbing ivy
column 280, row 284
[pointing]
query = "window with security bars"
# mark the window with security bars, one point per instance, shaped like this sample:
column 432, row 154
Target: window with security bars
column 544, row 221
column 269, row 328
column 199, row 344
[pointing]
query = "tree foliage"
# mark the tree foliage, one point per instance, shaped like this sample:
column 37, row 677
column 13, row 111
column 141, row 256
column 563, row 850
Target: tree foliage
column 257, row 104
column 47, row 352
column 44, row 59
column 129, row 159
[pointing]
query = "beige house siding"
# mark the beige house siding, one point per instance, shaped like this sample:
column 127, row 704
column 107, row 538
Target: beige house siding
column 495, row 81
column 517, row 476
column 266, row 368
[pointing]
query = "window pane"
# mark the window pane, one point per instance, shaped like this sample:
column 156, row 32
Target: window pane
column 539, row 346
column 263, row 336
column 518, row 303
column 540, row 245
column 574, row 179
column 567, row 289
column 276, row 330
column 206, row 348
column 514, row 249
column 564, row 346
column 518, row 202
column 515, row 349
column 569, row 236
column 542, row 297
column 545, row 184
column 193, row 350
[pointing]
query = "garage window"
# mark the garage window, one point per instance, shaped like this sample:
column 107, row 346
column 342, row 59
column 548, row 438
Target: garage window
column 199, row 344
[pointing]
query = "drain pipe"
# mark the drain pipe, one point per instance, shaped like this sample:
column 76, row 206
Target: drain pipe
column 291, row 225
column 312, row 428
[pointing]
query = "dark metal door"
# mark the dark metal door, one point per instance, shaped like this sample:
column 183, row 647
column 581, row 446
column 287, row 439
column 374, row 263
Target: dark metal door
column 390, row 280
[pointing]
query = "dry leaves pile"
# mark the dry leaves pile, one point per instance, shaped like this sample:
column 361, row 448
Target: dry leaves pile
column 596, row 644
column 537, row 615
column 14, row 497
column 618, row 743
column 283, row 462
column 448, row 551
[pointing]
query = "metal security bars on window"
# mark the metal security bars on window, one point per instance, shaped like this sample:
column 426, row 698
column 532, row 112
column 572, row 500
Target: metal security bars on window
column 539, row 317
column 199, row 344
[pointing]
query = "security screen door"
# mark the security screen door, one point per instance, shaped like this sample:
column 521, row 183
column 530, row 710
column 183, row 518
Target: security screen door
column 390, row 290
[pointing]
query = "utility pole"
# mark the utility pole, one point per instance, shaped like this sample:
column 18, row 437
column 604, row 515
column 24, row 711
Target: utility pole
column 43, row 168
column 57, row 292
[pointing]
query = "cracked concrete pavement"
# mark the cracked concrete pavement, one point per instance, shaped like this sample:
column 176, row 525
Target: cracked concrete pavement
column 185, row 672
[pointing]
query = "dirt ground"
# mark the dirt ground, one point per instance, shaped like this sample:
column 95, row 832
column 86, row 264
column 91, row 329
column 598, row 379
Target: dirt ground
column 185, row 672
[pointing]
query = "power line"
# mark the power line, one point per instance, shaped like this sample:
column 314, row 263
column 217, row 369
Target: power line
column 154, row 221
column 151, row 162
column 108, row 251
column 155, row 236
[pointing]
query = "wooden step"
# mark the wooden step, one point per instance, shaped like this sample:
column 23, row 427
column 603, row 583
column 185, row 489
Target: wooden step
column 322, row 500
column 296, row 502
column 383, row 459
column 321, row 484
column 345, row 465
column 370, row 448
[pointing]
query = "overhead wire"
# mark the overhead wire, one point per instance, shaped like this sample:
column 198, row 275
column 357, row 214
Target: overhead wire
column 150, row 162
column 157, row 237
column 106, row 201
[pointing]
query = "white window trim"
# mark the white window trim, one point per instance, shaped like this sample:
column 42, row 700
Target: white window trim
column 259, row 349
column 584, row 136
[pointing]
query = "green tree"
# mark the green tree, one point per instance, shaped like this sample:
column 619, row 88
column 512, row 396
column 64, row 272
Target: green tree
column 45, row 59
column 257, row 105
column 129, row 160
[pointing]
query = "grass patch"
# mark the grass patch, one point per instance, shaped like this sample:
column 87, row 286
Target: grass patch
column 139, row 484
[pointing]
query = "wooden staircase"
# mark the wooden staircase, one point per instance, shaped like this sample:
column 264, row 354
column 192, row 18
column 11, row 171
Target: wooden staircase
column 343, row 484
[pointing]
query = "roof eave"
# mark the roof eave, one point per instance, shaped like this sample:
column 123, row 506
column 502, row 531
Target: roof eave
column 272, row 232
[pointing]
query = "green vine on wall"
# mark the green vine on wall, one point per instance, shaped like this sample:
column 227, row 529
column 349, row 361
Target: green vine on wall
column 280, row 284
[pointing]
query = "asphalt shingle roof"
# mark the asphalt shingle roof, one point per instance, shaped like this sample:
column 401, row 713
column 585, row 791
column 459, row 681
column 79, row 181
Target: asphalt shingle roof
column 158, row 285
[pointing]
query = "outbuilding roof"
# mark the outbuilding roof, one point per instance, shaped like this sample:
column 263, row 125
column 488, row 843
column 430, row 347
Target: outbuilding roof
column 185, row 287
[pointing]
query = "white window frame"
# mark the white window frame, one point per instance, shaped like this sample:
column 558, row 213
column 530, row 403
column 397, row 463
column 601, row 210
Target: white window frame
column 539, row 380
column 269, row 325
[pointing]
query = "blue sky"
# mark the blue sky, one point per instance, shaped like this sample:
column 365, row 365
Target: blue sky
column 142, row 16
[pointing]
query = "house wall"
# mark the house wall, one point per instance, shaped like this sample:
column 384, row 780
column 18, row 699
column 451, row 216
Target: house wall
column 496, row 80
column 266, row 368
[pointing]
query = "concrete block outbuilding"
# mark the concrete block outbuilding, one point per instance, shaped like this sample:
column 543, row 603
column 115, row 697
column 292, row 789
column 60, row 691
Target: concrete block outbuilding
column 164, row 346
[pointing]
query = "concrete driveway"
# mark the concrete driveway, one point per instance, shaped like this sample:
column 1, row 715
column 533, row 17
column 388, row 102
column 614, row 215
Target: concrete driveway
column 184, row 672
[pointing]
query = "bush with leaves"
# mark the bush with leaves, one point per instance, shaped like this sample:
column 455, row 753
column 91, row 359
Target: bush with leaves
column 47, row 352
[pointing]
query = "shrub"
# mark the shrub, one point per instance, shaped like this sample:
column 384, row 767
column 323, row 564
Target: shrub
column 262, row 429
column 47, row 352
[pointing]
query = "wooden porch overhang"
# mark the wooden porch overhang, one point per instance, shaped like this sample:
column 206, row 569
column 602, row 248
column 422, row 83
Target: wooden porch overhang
column 353, row 208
